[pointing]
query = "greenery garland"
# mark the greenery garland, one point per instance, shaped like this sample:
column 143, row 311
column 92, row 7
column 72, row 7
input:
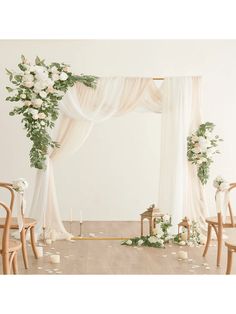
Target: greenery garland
column 37, row 90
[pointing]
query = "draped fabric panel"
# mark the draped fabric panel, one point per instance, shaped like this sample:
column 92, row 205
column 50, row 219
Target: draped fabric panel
column 180, row 191
column 81, row 108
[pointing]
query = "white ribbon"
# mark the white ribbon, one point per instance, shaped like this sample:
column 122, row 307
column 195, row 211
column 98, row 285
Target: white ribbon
column 21, row 204
column 222, row 203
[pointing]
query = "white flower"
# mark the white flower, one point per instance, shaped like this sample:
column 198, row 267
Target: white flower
column 28, row 84
column 196, row 150
column 129, row 242
column 199, row 161
column 60, row 93
column 182, row 243
column 160, row 241
column 41, row 115
column 27, row 103
column 35, row 116
column 63, row 76
column 20, row 184
column 166, row 218
column 55, row 77
column 66, row 69
column 50, row 89
column 33, row 111
column 42, row 123
column 54, row 69
column 43, row 94
column 37, row 102
column 23, row 96
column 140, row 242
column 39, row 85
column 28, row 78
column 153, row 239
column 203, row 143
column 194, row 138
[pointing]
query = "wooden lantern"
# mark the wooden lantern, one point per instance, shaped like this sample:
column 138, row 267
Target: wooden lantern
column 151, row 214
column 185, row 223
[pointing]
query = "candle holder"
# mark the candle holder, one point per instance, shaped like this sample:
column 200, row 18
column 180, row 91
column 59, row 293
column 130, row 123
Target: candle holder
column 80, row 228
column 44, row 235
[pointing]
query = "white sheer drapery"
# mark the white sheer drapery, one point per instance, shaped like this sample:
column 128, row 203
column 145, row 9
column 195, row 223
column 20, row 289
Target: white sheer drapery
column 180, row 193
column 82, row 107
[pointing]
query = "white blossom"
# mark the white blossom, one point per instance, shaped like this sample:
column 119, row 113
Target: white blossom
column 43, row 94
column 129, row 242
column 37, row 102
column 41, row 115
column 63, row 76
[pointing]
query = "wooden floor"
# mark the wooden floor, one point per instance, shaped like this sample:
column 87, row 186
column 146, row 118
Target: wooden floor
column 110, row 257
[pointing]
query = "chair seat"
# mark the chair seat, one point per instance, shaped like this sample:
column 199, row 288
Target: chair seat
column 14, row 245
column 214, row 220
column 28, row 222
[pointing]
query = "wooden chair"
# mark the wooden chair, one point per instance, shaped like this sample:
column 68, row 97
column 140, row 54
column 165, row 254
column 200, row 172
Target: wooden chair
column 217, row 224
column 8, row 248
column 231, row 246
column 28, row 225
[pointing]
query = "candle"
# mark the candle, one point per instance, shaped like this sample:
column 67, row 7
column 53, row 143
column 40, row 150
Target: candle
column 184, row 236
column 71, row 216
column 39, row 251
column 182, row 255
column 55, row 259
column 81, row 219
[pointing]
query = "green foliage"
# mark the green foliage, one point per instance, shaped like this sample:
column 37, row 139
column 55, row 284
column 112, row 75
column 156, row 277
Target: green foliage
column 39, row 119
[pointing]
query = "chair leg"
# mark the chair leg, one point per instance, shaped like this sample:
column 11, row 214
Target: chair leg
column 33, row 244
column 6, row 264
column 229, row 261
column 219, row 247
column 209, row 228
column 24, row 250
column 14, row 264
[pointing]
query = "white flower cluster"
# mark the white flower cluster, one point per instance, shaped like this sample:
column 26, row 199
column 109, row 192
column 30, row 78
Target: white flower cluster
column 202, row 147
column 220, row 184
column 20, row 185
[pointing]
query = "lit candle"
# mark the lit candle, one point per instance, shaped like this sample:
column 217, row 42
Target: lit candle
column 81, row 219
column 55, row 259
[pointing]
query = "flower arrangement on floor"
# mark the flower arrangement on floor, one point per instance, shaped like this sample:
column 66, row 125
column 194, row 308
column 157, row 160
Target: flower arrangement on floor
column 202, row 145
column 194, row 238
column 158, row 241
column 38, row 88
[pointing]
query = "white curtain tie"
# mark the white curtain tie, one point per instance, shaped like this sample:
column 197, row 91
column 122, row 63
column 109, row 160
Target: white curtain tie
column 21, row 205
column 222, row 203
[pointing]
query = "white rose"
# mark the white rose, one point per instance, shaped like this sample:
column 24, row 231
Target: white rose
column 41, row 115
column 42, row 123
column 55, row 77
column 39, row 85
column 66, row 69
column 54, row 69
column 166, row 218
column 37, row 102
column 27, row 103
column 182, row 243
column 20, row 184
column 196, row 150
column 194, row 138
column 28, row 78
column 28, row 84
column 23, row 96
column 33, row 111
column 160, row 241
column 60, row 93
column 43, row 94
column 63, row 76
column 140, row 242
column 50, row 89
column 35, row 116
column 153, row 239
column 199, row 161
column 129, row 242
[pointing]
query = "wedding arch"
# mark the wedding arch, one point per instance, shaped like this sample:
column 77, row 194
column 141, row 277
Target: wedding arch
column 179, row 102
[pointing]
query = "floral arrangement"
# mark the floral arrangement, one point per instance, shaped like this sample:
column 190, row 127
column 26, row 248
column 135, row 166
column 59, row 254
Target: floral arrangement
column 158, row 241
column 220, row 184
column 20, row 185
column 37, row 90
column 195, row 238
column 202, row 145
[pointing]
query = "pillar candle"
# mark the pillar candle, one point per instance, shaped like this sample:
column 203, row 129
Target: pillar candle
column 55, row 259
column 81, row 218
column 182, row 254
column 184, row 236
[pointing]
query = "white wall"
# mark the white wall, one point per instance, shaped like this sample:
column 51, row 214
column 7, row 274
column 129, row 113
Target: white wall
column 115, row 174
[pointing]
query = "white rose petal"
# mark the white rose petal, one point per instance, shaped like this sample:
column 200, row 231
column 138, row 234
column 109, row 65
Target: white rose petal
column 63, row 76
column 41, row 115
column 43, row 94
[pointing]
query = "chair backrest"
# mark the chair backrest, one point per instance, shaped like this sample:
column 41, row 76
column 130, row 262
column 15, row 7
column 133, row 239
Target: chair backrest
column 6, row 230
column 8, row 186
